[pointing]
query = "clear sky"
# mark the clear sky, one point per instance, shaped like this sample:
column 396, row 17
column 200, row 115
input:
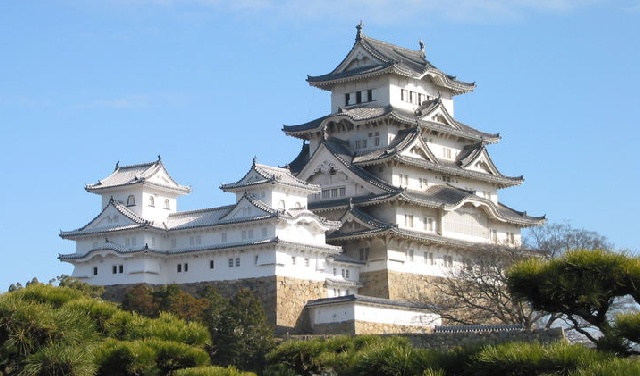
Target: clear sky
column 208, row 84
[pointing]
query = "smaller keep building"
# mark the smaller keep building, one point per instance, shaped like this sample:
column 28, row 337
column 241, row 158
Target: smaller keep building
column 266, row 241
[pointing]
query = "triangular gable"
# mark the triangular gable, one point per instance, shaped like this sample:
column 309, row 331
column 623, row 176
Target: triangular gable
column 251, row 177
column 113, row 217
column 354, row 220
column 481, row 162
column 325, row 168
column 358, row 57
column 247, row 208
column 418, row 148
column 149, row 173
column 440, row 115
column 110, row 218
column 160, row 176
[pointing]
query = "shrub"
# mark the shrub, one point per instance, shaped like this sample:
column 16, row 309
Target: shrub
column 532, row 359
column 394, row 359
column 129, row 326
column 60, row 360
column 214, row 371
column 123, row 358
column 612, row 367
column 146, row 357
column 100, row 312
column 48, row 294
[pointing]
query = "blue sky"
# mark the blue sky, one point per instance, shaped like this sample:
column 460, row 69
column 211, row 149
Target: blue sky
column 208, row 85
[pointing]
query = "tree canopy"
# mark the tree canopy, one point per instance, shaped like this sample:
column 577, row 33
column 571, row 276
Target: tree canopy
column 49, row 330
column 583, row 285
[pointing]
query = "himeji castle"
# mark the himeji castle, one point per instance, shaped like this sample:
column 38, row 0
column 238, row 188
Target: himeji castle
column 388, row 192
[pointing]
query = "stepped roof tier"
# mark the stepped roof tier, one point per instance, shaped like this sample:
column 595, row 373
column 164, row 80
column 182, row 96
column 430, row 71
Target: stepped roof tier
column 105, row 223
column 225, row 215
column 151, row 174
column 382, row 58
column 445, row 197
column 374, row 227
column 368, row 114
column 200, row 218
column 395, row 151
column 247, row 246
column 260, row 174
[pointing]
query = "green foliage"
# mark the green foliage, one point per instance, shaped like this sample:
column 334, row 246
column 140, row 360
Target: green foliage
column 140, row 299
column 533, row 359
column 394, row 359
column 628, row 325
column 92, row 291
column 583, row 284
column 47, row 331
column 214, row 371
column 239, row 331
column 31, row 328
column 278, row 370
column 128, row 326
column 151, row 357
column 121, row 358
column 58, row 359
column 55, row 296
column 610, row 367
column 100, row 312
column 348, row 355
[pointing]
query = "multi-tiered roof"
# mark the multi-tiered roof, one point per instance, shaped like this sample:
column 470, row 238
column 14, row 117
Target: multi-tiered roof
column 327, row 138
column 389, row 59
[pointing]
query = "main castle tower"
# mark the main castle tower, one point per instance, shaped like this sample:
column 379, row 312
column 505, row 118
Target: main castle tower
column 415, row 189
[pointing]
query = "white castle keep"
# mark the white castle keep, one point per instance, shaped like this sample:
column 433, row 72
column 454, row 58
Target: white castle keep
column 387, row 193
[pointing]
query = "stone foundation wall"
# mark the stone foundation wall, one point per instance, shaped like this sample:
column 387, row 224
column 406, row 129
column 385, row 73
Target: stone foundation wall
column 363, row 327
column 351, row 327
column 412, row 287
column 292, row 296
column 344, row 327
column 375, row 284
column 395, row 285
column 282, row 298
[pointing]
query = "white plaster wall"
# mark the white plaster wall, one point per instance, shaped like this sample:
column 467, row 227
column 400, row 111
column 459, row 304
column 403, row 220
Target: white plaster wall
column 383, row 315
column 346, row 311
column 285, row 265
column 377, row 85
column 332, row 313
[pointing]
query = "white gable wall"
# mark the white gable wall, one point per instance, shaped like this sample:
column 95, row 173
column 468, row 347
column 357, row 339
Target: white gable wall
column 357, row 311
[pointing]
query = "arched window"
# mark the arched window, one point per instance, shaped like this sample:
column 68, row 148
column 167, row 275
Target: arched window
column 166, row 204
column 131, row 200
column 298, row 204
column 281, row 205
column 151, row 201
